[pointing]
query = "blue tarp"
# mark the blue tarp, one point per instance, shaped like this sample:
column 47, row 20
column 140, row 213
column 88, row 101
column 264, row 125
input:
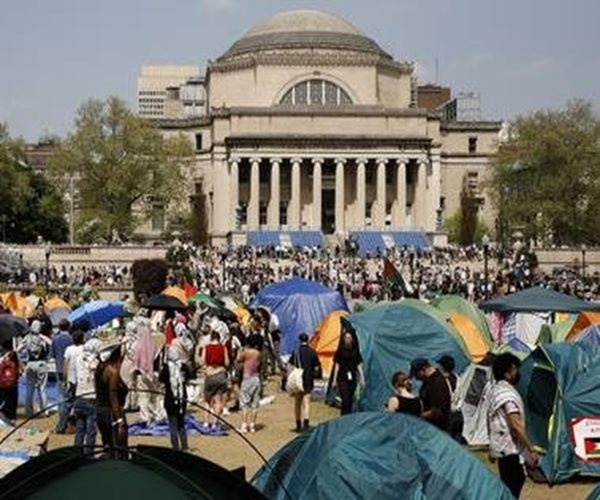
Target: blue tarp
column 96, row 314
column 276, row 238
column 161, row 428
column 377, row 242
column 377, row 455
column 391, row 335
column 560, row 385
column 300, row 306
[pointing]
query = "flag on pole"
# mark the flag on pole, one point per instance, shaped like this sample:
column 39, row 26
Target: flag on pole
column 393, row 278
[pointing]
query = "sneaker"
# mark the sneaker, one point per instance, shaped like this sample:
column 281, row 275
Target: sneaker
column 252, row 428
column 243, row 429
column 225, row 412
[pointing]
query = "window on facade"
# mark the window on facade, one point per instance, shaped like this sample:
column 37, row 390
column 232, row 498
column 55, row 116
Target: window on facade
column 198, row 142
column 472, row 145
column 158, row 217
column 316, row 93
column 283, row 206
column 262, row 214
column 243, row 214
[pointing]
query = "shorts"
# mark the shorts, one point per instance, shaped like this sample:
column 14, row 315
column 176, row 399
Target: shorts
column 250, row 392
column 215, row 385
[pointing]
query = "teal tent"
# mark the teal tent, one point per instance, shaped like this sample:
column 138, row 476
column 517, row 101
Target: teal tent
column 560, row 385
column 595, row 494
column 538, row 299
column 391, row 335
column 379, row 456
column 149, row 473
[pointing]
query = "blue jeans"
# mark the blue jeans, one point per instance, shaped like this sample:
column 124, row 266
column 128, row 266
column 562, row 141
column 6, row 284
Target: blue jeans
column 85, row 426
column 66, row 400
column 36, row 378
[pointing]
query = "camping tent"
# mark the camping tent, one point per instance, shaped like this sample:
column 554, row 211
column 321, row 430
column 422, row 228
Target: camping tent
column 538, row 299
column 589, row 336
column 560, row 385
column 149, row 473
column 456, row 304
column 474, row 389
column 477, row 344
column 326, row 339
column 557, row 332
column 391, row 335
column 300, row 306
column 584, row 320
column 377, row 455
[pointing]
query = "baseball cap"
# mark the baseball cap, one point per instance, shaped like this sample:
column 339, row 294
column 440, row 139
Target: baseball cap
column 416, row 365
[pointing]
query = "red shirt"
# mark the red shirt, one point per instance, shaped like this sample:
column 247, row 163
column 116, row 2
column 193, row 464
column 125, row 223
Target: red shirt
column 169, row 332
column 214, row 355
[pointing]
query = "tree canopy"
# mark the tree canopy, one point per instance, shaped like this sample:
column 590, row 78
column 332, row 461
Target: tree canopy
column 125, row 169
column 30, row 206
column 545, row 178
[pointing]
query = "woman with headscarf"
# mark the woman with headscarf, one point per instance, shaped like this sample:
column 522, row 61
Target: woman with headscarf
column 144, row 357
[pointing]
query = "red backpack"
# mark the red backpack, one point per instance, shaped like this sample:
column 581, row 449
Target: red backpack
column 9, row 372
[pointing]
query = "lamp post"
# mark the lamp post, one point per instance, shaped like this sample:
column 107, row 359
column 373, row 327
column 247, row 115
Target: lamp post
column 47, row 251
column 352, row 247
column 224, row 253
column 485, row 241
column 583, row 251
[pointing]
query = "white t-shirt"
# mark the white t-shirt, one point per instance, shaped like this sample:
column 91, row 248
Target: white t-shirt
column 71, row 354
column 86, row 371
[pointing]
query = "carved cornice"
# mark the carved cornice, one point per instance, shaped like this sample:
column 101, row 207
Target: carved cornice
column 349, row 110
column 181, row 123
column 479, row 126
column 327, row 141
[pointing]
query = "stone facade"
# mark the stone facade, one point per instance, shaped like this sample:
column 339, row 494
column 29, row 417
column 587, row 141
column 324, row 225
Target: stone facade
column 311, row 125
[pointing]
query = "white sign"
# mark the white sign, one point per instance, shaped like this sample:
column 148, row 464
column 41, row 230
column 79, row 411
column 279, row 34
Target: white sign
column 585, row 434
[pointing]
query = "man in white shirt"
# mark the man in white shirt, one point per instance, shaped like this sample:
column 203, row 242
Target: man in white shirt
column 70, row 367
column 506, row 425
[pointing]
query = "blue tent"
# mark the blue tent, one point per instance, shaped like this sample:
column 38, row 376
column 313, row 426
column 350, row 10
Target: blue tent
column 560, row 386
column 377, row 455
column 300, row 306
column 391, row 335
column 538, row 299
column 96, row 313
column 589, row 336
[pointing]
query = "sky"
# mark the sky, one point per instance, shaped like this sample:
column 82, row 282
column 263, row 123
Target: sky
column 520, row 55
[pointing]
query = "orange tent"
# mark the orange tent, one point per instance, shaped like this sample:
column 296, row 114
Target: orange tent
column 178, row 293
column 584, row 320
column 472, row 337
column 326, row 339
column 56, row 303
column 18, row 305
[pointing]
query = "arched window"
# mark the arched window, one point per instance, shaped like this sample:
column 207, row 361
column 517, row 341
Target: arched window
column 316, row 93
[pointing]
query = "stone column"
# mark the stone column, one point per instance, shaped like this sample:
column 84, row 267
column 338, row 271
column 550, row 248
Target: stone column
column 275, row 198
column 340, row 200
column 421, row 199
column 399, row 212
column 254, row 201
column 294, row 208
column 435, row 190
column 317, row 193
column 361, row 194
column 380, row 205
column 234, row 176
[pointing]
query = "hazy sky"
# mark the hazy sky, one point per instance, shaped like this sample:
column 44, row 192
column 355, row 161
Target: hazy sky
column 519, row 54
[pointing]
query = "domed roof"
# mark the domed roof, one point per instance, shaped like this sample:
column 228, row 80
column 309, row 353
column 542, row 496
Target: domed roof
column 299, row 29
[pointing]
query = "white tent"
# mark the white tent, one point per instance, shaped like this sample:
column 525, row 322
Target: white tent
column 475, row 385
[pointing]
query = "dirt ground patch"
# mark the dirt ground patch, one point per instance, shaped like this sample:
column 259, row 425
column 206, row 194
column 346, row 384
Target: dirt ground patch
column 276, row 422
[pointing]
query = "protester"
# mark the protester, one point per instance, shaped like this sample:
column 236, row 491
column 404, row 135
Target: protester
column 456, row 422
column 84, row 408
column 306, row 359
column 111, row 392
column 70, row 365
column 146, row 378
column 434, row 393
column 250, row 360
column 174, row 375
column 347, row 371
column 403, row 400
column 215, row 359
column 35, row 348
column 61, row 341
column 9, row 381
column 509, row 443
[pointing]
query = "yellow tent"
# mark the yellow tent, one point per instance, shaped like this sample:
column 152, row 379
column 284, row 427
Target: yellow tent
column 584, row 320
column 326, row 339
column 178, row 293
column 18, row 305
column 472, row 337
column 56, row 303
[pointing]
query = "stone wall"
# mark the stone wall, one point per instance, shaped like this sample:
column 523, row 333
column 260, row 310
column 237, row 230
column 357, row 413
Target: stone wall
column 88, row 255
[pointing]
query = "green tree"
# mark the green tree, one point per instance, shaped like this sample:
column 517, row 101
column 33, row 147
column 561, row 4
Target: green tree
column 30, row 206
column 545, row 178
column 125, row 167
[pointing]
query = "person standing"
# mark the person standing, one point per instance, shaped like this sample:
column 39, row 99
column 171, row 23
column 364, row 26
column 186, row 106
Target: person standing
column 9, row 381
column 174, row 375
column 215, row 359
column 146, row 379
column 61, row 341
column 434, row 394
column 347, row 371
column 111, row 392
column 509, row 442
column 84, row 409
column 403, row 400
column 456, row 421
column 307, row 359
column 250, row 360
column 36, row 348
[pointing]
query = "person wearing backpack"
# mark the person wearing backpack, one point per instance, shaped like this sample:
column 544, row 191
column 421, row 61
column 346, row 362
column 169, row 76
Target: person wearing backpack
column 9, row 381
column 456, row 422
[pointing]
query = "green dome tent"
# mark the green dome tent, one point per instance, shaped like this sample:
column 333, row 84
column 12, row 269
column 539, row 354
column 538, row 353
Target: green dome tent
column 391, row 335
column 150, row 473
column 455, row 303
column 377, row 456
column 560, row 385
